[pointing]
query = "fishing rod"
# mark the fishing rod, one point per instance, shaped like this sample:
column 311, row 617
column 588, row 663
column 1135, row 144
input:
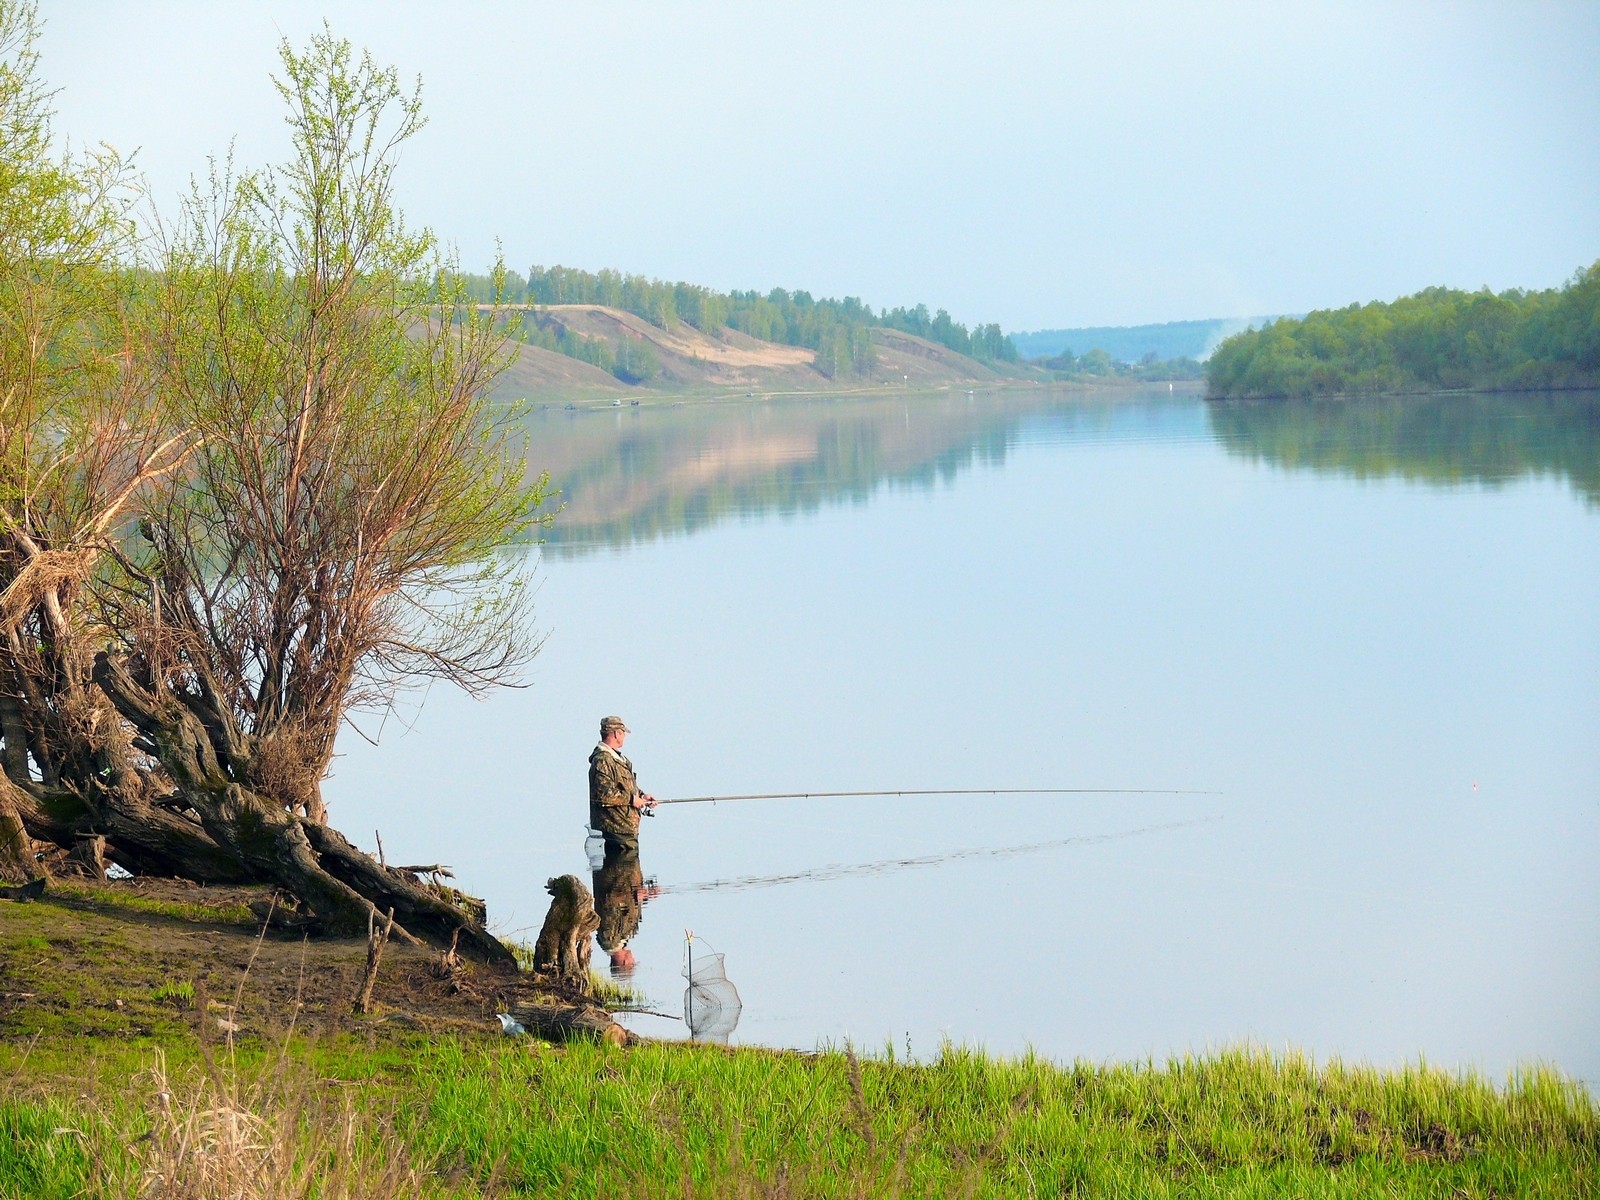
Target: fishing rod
column 944, row 792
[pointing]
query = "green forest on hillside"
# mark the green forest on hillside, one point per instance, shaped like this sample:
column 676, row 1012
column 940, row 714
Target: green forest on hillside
column 1133, row 343
column 1099, row 364
column 1438, row 339
column 837, row 330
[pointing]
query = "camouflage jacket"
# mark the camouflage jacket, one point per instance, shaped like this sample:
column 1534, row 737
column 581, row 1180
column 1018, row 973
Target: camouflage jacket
column 612, row 788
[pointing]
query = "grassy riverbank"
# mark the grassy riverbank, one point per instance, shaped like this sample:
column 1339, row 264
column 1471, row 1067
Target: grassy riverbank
column 112, row 1079
column 475, row 1116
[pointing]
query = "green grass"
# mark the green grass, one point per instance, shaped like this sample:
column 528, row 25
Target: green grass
column 510, row 1116
column 201, row 908
column 39, row 1157
column 521, row 950
column 613, row 994
column 179, row 994
column 75, row 978
column 605, row 991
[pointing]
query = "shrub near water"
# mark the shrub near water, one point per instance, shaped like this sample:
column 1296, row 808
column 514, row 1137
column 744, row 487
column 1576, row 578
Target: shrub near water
column 514, row 1117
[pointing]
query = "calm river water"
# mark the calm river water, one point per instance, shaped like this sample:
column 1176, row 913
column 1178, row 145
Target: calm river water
column 1371, row 629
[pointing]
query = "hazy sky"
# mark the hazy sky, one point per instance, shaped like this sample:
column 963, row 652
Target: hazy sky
column 1040, row 165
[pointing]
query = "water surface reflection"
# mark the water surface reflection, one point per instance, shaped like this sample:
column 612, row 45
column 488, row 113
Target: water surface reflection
column 632, row 475
column 620, row 893
column 1487, row 438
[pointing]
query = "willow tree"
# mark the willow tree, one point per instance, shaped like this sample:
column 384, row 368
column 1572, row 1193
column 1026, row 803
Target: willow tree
column 249, row 484
column 335, row 534
column 81, row 437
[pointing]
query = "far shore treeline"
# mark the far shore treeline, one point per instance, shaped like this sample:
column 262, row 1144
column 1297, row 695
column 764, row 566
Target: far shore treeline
column 1437, row 340
column 837, row 330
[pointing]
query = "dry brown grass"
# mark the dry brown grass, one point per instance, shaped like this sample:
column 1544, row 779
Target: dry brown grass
column 215, row 1135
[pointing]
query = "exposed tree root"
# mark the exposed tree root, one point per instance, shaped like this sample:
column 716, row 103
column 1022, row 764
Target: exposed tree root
column 264, row 842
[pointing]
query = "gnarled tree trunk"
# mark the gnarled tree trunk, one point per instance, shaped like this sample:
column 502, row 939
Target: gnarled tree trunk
column 339, row 884
column 16, row 847
column 562, row 950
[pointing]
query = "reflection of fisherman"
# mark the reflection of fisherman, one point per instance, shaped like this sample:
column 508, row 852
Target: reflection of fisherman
column 619, row 893
column 615, row 800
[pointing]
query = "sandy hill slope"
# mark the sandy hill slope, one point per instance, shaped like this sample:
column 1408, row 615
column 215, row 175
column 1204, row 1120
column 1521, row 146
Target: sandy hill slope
column 907, row 358
column 535, row 373
column 688, row 356
column 727, row 360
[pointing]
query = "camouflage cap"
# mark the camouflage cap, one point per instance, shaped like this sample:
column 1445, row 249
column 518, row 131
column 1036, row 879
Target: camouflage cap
column 607, row 724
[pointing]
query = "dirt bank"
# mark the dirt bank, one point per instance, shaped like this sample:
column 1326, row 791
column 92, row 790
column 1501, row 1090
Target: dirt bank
column 148, row 957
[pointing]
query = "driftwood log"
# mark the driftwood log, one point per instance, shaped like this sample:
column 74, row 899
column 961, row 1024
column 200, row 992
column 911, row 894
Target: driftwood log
column 571, row 1022
column 563, row 948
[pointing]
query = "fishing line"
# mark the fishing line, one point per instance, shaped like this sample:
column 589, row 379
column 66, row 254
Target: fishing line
column 945, row 792
column 888, row 866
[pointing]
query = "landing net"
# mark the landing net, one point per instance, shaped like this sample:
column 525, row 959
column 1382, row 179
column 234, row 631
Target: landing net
column 711, row 1004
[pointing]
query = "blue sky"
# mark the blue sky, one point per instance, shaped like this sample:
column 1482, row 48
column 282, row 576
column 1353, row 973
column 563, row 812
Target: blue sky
column 1041, row 165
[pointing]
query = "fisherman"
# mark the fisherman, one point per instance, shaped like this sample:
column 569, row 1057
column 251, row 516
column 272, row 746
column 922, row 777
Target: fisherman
column 615, row 800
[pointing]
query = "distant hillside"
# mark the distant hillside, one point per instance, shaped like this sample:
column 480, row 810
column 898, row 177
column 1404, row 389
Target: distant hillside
column 841, row 336
column 640, row 358
column 1134, row 343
